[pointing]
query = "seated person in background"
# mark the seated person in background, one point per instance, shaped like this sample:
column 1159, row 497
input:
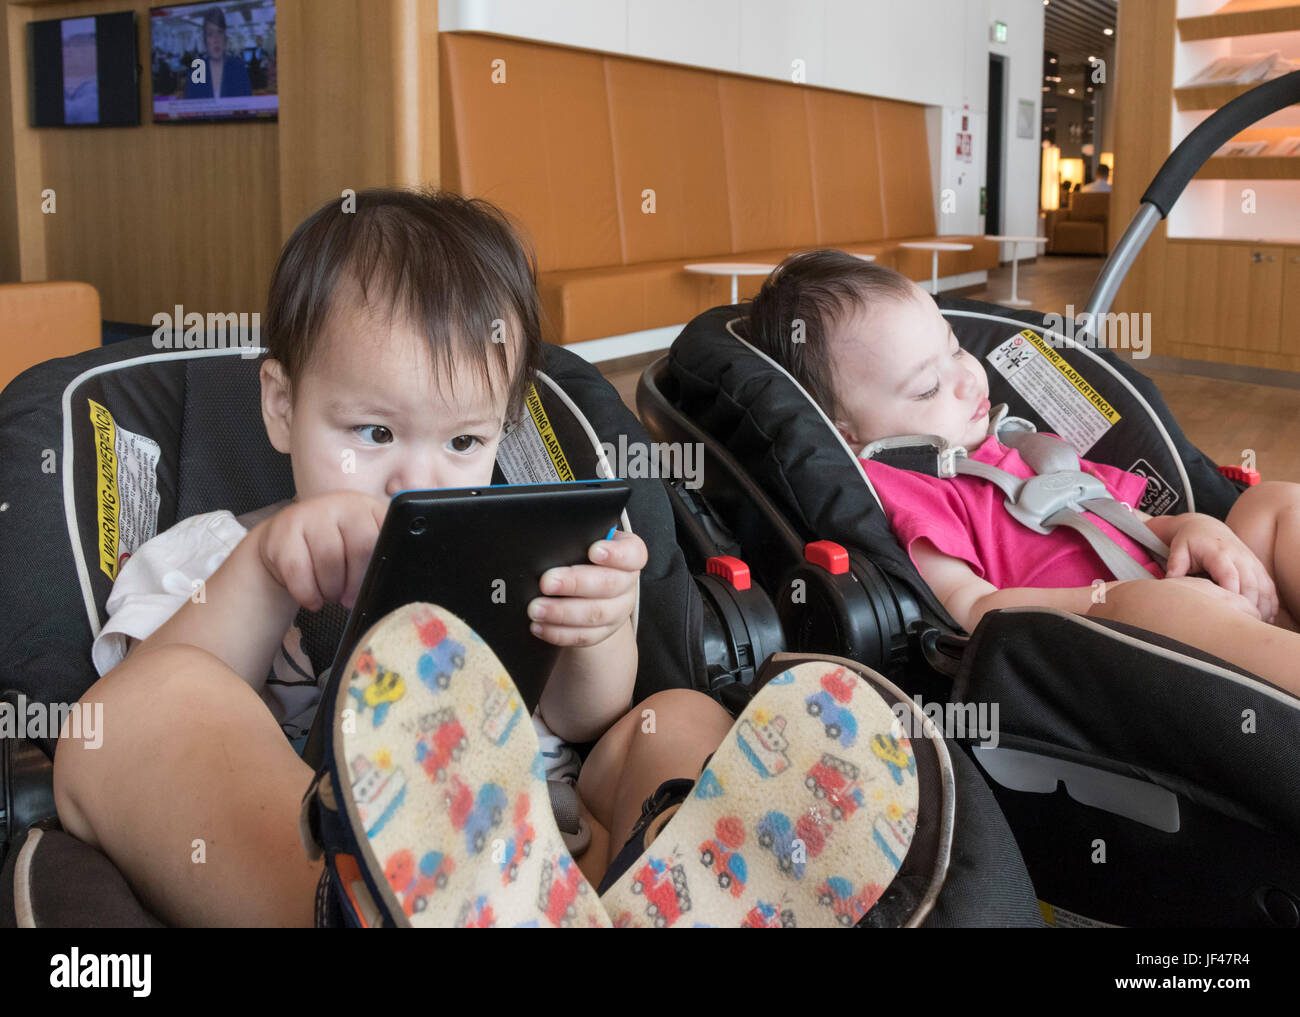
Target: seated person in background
column 880, row 360
column 1101, row 184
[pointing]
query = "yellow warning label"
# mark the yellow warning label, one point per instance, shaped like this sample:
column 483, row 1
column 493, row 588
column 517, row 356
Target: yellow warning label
column 1073, row 377
column 106, row 486
column 549, row 439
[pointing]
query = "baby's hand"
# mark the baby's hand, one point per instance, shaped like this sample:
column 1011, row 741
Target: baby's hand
column 586, row 604
column 318, row 549
column 1202, row 543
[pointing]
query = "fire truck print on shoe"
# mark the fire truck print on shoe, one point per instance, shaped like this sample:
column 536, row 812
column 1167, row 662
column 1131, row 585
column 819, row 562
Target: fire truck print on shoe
column 801, row 819
column 445, row 789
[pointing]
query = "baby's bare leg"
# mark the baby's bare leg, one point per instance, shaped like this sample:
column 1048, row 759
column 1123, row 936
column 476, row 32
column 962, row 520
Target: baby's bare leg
column 1197, row 620
column 641, row 751
column 191, row 754
column 1267, row 519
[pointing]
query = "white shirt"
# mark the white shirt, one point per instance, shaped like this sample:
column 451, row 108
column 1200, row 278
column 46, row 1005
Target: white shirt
column 1097, row 185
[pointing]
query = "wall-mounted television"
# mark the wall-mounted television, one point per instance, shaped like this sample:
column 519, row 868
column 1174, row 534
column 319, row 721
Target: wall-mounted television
column 214, row 61
column 83, row 71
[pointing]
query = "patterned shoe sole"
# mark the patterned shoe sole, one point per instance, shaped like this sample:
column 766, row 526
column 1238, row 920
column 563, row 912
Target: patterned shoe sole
column 445, row 786
column 801, row 819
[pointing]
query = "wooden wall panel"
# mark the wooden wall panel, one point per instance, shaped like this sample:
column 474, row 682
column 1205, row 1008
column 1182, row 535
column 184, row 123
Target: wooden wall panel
column 151, row 216
column 195, row 214
column 358, row 99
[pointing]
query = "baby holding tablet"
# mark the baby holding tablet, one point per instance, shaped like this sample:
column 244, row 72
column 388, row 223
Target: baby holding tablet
column 881, row 360
column 381, row 376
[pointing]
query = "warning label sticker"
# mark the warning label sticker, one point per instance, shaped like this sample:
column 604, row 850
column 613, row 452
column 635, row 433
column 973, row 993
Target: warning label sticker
column 126, row 489
column 529, row 451
column 1159, row 496
column 1072, row 408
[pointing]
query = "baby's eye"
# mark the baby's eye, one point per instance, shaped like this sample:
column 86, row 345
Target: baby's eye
column 463, row 443
column 381, row 436
column 931, row 394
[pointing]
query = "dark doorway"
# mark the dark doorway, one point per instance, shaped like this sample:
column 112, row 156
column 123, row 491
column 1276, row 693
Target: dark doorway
column 993, row 149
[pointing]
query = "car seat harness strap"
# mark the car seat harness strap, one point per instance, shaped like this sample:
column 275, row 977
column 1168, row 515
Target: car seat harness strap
column 1058, row 494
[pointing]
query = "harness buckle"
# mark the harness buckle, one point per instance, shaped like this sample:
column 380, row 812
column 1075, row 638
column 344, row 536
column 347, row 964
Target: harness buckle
column 1046, row 494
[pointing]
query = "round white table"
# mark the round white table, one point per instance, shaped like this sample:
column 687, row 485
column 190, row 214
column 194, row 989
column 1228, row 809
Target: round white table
column 1015, row 242
column 735, row 269
column 935, row 246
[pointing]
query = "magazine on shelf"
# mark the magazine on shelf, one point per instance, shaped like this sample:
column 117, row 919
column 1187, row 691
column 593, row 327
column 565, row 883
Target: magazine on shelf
column 1247, row 69
column 1235, row 148
column 1287, row 146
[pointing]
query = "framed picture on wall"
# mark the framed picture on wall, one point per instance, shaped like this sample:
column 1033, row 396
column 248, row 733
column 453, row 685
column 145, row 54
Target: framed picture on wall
column 1025, row 118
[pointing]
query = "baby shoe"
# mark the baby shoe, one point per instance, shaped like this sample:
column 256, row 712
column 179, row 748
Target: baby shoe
column 432, row 806
column 802, row 817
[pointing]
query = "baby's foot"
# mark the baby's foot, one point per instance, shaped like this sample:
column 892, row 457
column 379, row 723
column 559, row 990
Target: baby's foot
column 434, row 807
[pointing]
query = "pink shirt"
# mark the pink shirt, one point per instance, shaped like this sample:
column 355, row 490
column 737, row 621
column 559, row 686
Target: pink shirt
column 966, row 517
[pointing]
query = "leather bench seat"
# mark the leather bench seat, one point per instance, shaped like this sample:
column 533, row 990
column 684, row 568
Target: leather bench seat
column 591, row 303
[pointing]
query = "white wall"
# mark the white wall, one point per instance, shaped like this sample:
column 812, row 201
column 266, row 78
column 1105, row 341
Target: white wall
column 926, row 51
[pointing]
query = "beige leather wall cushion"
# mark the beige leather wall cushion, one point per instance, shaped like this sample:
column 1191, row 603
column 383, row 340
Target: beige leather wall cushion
column 41, row 321
column 846, row 172
column 666, row 124
column 742, row 169
column 903, row 150
column 595, row 303
column 538, row 144
column 769, row 174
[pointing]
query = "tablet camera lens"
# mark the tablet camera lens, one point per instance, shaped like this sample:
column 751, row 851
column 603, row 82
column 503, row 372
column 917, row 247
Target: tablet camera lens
column 417, row 525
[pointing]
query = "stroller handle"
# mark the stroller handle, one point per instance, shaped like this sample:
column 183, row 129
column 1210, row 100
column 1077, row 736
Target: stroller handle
column 1173, row 177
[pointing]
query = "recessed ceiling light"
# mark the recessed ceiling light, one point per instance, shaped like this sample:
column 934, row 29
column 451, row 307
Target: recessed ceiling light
column 1070, row 90
column 1108, row 31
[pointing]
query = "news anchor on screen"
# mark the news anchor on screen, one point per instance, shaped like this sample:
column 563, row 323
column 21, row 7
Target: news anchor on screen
column 226, row 73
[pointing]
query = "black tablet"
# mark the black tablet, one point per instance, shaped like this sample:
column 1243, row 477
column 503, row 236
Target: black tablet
column 480, row 552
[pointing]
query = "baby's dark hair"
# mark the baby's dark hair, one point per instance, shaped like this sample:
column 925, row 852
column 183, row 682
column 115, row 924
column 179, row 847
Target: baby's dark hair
column 454, row 267
column 806, row 297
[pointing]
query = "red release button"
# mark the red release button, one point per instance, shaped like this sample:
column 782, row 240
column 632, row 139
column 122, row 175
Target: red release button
column 829, row 555
column 1240, row 474
column 733, row 570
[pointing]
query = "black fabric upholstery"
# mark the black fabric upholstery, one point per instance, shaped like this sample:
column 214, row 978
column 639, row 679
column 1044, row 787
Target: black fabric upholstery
column 762, row 419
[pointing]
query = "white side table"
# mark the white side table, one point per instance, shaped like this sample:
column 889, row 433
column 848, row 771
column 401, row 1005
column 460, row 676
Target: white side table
column 735, row 269
column 935, row 247
column 1015, row 242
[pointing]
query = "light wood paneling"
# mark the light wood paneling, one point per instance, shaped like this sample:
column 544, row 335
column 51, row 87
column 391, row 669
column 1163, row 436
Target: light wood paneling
column 151, row 216
column 1199, row 97
column 195, row 214
column 1242, row 17
column 358, row 99
column 9, row 251
column 1251, row 167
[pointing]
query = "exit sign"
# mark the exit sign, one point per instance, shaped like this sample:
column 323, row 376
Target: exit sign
column 998, row 33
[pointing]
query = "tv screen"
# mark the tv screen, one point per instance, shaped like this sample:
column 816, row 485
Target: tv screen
column 214, row 61
column 84, row 71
